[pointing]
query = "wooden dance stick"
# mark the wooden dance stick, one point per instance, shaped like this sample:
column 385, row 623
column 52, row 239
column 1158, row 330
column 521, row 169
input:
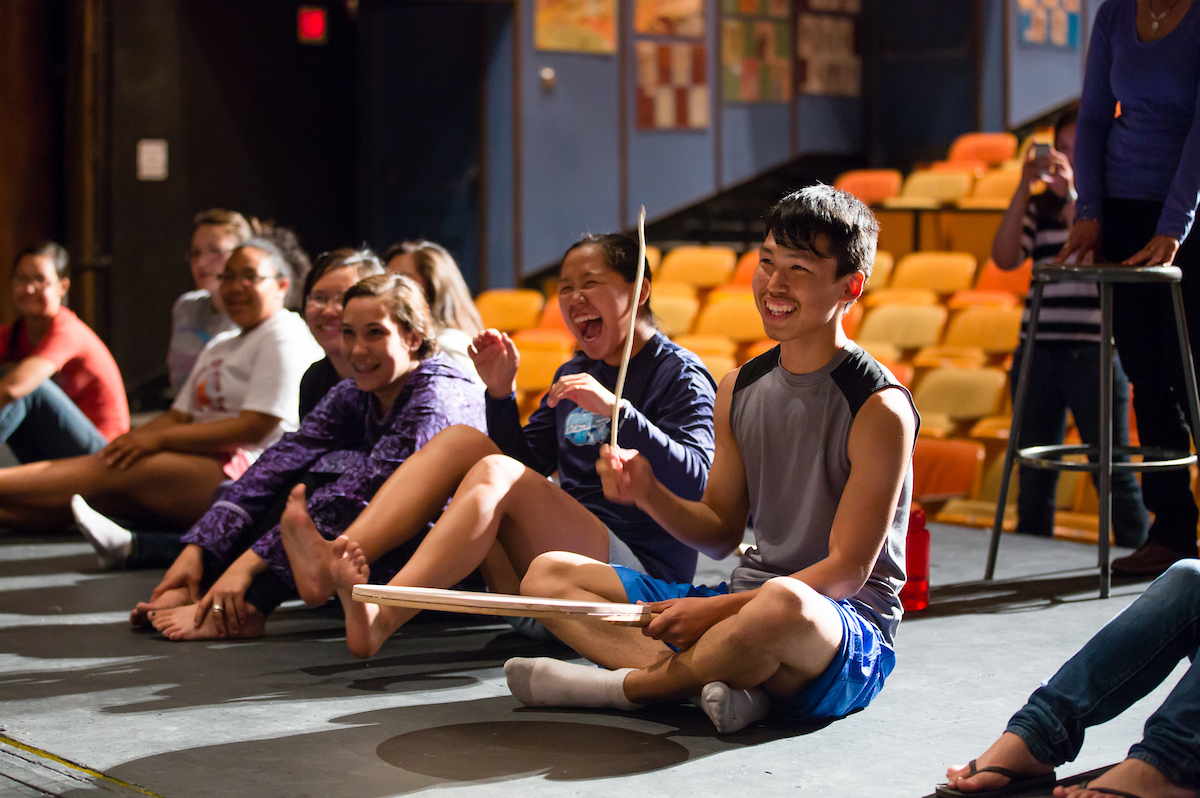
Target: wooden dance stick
column 633, row 313
column 429, row 598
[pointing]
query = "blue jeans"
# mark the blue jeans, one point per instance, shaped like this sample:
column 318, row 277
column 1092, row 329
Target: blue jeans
column 1124, row 661
column 1065, row 375
column 46, row 425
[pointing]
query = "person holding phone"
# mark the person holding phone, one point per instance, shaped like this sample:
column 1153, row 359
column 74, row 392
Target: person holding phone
column 1066, row 359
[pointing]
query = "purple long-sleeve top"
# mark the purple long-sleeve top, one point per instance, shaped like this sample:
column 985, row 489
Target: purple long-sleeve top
column 344, row 435
column 1152, row 151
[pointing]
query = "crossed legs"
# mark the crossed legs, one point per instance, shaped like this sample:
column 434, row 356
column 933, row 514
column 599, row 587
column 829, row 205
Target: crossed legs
column 780, row 640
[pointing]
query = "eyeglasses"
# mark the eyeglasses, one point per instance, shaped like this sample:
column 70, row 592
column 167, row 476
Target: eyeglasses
column 320, row 299
column 36, row 282
column 196, row 254
column 245, row 276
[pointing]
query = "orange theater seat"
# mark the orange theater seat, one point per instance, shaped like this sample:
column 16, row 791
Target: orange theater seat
column 870, row 185
column 946, row 469
column 743, row 273
column 1015, row 281
column 991, row 148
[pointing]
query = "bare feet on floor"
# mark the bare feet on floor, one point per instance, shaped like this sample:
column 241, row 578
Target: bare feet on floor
column 1132, row 777
column 175, row 597
column 349, row 568
column 179, row 623
column 310, row 555
column 1007, row 752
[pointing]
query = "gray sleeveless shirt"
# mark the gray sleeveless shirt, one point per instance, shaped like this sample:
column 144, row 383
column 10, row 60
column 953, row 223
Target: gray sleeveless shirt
column 792, row 431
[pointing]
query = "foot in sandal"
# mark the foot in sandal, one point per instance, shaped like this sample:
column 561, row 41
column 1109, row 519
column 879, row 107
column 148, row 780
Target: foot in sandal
column 1132, row 778
column 1015, row 768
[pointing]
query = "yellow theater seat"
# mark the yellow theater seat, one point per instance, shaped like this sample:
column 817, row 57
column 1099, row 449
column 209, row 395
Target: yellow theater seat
column 735, row 317
column 881, row 270
column 675, row 312
column 951, row 399
column 703, row 267
column 903, row 326
column 940, row 272
column 927, row 189
column 510, row 309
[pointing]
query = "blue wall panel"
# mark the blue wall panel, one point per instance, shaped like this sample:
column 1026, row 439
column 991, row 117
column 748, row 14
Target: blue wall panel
column 1041, row 78
column 754, row 138
column 569, row 149
column 829, row 125
column 669, row 169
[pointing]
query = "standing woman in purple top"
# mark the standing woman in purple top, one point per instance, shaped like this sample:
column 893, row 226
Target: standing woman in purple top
column 1138, row 177
column 233, row 571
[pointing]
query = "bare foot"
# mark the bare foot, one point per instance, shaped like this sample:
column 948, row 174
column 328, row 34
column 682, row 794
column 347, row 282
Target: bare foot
column 1007, row 752
column 349, row 569
column 310, row 555
column 179, row 623
column 1131, row 776
column 175, row 597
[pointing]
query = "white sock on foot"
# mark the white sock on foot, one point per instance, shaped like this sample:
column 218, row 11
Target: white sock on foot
column 548, row 682
column 733, row 710
column 113, row 543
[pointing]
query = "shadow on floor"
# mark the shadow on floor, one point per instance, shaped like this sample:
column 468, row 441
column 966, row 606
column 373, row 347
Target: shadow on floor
column 419, row 747
column 1018, row 595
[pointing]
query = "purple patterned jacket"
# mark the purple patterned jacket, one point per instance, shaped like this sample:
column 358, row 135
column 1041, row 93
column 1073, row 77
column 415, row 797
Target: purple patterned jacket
column 343, row 435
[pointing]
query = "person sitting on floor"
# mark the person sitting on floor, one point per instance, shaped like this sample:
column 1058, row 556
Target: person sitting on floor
column 504, row 511
column 199, row 316
column 402, row 393
column 814, row 445
column 446, row 292
column 61, row 393
column 331, row 277
column 240, row 397
column 1130, row 656
column 324, row 286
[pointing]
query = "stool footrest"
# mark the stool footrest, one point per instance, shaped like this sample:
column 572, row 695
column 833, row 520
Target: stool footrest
column 1051, row 457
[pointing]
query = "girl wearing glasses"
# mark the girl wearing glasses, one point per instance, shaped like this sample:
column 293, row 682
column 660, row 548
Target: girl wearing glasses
column 61, row 393
column 240, row 398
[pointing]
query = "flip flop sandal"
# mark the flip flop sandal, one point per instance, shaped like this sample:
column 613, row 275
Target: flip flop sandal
column 1018, row 784
column 1084, row 785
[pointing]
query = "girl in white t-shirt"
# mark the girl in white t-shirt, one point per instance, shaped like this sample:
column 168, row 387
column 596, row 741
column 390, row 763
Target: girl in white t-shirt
column 241, row 396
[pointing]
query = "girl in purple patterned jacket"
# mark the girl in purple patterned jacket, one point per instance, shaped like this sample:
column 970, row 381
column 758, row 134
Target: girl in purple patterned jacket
column 233, row 571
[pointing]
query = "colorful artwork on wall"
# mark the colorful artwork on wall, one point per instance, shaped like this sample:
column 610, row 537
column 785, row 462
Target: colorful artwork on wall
column 672, row 86
column 1049, row 23
column 756, row 51
column 669, row 18
column 827, row 48
column 576, row 26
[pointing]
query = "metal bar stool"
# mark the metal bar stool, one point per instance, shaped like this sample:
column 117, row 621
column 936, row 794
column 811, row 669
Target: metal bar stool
column 1053, row 457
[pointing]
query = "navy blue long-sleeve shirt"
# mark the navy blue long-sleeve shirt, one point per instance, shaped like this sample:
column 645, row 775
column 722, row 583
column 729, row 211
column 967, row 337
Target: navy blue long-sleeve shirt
column 670, row 424
column 1152, row 151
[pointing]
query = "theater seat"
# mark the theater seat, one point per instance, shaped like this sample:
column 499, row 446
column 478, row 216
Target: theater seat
column 941, row 272
column 701, row 266
column 927, row 189
column 991, row 148
column 510, row 309
column 903, row 326
column 951, row 399
column 870, row 185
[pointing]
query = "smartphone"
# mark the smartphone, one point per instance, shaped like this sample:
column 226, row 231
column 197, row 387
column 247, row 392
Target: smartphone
column 1041, row 150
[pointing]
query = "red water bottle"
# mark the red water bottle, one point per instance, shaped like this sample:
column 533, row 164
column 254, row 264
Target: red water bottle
column 915, row 593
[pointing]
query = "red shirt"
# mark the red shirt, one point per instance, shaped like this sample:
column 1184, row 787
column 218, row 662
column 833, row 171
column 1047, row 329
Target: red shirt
column 87, row 372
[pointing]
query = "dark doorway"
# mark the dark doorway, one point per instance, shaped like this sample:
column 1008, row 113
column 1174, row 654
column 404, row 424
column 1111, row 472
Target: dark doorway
column 424, row 68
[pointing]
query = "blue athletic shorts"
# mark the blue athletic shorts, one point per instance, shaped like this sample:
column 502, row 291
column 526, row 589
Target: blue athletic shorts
column 855, row 676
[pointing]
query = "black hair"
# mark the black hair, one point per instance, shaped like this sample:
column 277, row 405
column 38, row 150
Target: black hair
column 363, row 260
column 620, row 254
column 799, row 218
column 56, row 252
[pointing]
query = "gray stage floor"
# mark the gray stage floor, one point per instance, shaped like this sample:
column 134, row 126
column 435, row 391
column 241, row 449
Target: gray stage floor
column 296, row 715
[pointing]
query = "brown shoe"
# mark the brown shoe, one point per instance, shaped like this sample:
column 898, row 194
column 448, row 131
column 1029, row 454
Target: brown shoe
column 1151, row 559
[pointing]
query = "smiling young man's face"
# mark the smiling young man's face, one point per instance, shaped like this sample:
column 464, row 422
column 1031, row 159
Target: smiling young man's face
column 798, row 291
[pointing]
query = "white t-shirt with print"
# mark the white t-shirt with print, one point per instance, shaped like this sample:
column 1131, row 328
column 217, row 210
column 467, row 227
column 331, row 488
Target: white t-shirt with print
column 257, row 369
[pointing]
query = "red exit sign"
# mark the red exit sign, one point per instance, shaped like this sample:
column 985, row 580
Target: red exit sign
column 312, row 25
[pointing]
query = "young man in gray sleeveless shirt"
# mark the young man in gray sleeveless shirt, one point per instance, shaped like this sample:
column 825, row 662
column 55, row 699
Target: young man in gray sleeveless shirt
column 814, row 447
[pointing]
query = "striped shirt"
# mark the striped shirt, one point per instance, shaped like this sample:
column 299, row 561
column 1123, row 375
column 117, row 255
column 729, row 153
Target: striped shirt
column 1070, row 310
